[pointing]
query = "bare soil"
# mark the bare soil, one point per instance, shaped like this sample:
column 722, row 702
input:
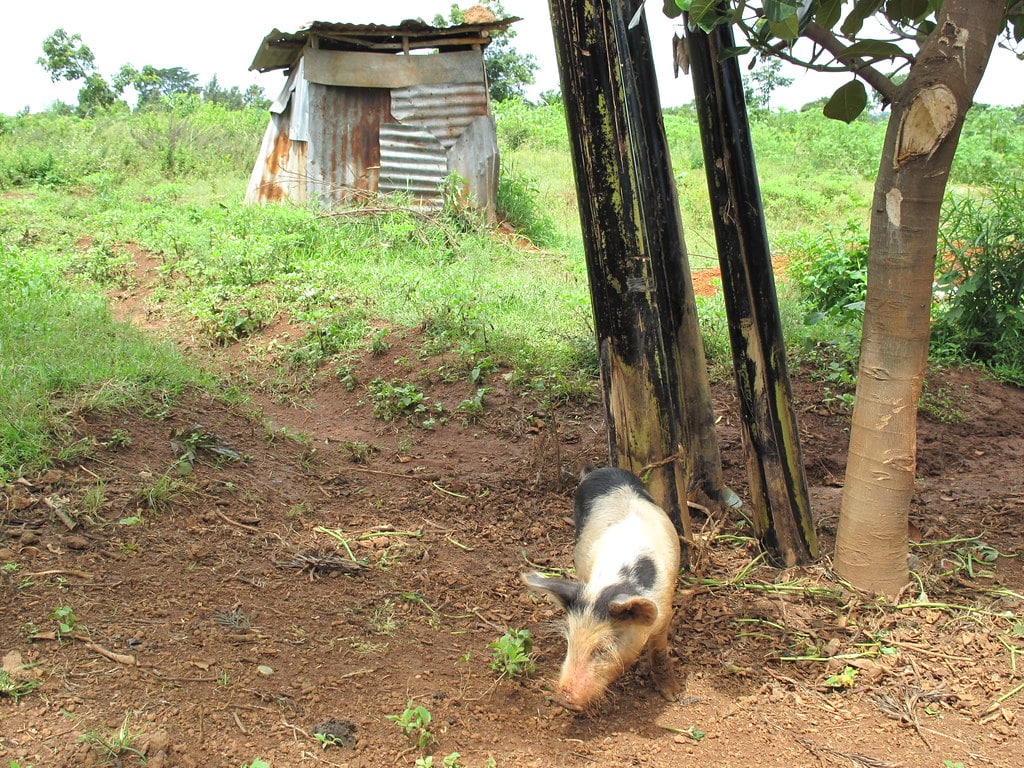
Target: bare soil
column 347, row 565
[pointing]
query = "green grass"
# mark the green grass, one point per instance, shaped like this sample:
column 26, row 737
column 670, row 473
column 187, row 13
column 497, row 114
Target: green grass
column 77, row 192
column 61, row 354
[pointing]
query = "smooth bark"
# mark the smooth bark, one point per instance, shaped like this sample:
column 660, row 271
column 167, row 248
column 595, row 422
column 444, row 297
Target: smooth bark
column 927, row 116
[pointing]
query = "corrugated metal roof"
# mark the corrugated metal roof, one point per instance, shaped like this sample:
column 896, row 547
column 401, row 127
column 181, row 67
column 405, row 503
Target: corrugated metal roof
column 280, row 50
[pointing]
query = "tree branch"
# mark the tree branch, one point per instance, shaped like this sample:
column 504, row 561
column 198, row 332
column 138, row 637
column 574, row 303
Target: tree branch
column 823, row 37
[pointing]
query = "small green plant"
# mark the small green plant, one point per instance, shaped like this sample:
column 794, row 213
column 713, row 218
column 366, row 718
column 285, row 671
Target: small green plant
column 512, row 654
column 842, row 680
column 327, row 740
column 232, row 318
column 942, row 403
column 472, row 408
column 414, row 722
column 518, row 205
column 448, row 761
column 93, row 498
column 66, row 620
column 358, row 451
column 163, row 492
column 831, row 270
column 382, row 618
column 393, row 400
column 257, row 763
column 379, row 344
column 119, row 438
column 980, row 307
column 112, row 747
column 15, row 689
column 188, row 443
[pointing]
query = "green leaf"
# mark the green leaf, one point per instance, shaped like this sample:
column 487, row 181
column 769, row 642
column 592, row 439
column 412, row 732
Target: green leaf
column 874, row 49
column 1017, row 22
column 828, row 13
column 788, row 29
column 673, row 8
column 781, row 10
column 861, row 10
column 705, row 13
column 847, row 102
column 729, row 53
column 906, row 10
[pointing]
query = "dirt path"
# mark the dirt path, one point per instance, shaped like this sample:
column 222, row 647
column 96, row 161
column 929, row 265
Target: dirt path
column 221, row 610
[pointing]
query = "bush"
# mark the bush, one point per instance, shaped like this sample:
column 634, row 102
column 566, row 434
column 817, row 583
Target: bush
column 518, row 204
column 979, row 297
column 831, row 269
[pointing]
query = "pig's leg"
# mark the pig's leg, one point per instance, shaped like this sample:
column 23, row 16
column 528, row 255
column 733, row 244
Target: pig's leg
column 663, row 673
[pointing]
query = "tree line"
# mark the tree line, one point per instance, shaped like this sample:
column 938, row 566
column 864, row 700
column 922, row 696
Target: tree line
column 66, row 57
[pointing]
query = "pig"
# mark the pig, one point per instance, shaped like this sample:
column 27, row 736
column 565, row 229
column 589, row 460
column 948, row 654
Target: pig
column 627, row 559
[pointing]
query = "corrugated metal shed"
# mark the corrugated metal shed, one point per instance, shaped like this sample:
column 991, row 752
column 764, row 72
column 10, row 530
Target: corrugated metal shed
column 360, row 112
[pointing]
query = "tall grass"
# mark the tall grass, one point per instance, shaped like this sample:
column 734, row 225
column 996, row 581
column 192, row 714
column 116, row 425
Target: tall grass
column 75, row 191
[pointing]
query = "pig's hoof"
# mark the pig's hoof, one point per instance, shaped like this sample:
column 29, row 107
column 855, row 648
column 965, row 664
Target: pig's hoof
column 663, row 676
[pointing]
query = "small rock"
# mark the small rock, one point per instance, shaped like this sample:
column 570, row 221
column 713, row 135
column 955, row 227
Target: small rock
column 76, row 542
column 264, row 670
column 28, row 538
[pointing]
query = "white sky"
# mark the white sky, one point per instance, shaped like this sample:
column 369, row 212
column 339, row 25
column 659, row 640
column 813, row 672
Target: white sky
column 221, row 38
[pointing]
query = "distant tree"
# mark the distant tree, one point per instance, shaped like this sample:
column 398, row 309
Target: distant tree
column 508, row 71
column 229, row 98
column 67, row 57
column 153, row 85
column 765, row 76
column 547, row 98
column 233, row 97
column 254, row 97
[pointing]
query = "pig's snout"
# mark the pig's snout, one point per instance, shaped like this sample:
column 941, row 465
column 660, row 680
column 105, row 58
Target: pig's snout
column 566, row 700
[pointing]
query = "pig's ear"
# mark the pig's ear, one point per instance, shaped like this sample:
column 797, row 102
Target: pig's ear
column 633, row 610
column 561, row 591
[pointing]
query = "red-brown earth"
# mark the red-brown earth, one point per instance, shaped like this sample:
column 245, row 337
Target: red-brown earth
column 217, row 612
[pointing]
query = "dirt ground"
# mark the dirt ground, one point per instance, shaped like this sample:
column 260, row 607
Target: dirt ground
column 344, row 566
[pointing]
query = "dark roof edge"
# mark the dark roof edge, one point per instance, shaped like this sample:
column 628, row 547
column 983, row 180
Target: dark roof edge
column 280, row 50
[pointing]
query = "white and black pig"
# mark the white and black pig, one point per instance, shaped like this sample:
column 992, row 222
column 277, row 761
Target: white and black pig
column 627, row 561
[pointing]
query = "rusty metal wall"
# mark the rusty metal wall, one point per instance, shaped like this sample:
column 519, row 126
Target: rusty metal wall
column 412, row 160
column 444, row 110
column 280, row 170
column 365, row 140
column 344, row 146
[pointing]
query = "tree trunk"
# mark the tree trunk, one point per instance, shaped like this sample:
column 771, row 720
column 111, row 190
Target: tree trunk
column 924, row 128
column 771, row 441
column 657, row 395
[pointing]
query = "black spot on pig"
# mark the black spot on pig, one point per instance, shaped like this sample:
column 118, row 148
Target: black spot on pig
column 619, row 603
column 642, row 573
column 596, row 485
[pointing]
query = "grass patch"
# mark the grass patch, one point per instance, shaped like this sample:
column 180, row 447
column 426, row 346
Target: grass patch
column 61, row 354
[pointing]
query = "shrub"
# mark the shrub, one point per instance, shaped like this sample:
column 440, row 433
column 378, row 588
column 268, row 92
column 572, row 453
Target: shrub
column 830, row 270
column 979, row 299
